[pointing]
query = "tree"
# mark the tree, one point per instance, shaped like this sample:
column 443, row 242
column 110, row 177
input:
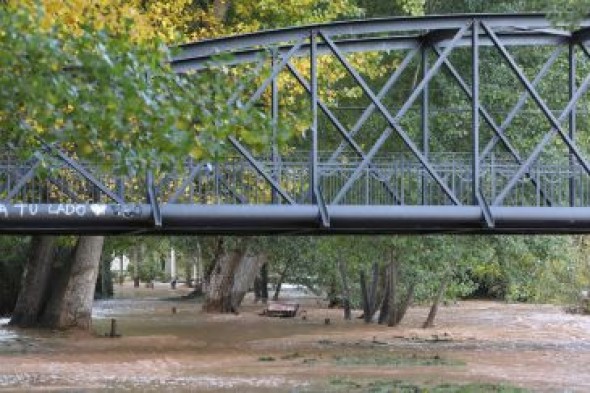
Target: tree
column 11, row 270
column 89, row 95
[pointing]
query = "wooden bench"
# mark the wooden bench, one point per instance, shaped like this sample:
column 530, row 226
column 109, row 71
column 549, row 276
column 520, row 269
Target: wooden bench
column 281, row 310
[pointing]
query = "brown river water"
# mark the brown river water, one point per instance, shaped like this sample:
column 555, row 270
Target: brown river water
column 534, row 347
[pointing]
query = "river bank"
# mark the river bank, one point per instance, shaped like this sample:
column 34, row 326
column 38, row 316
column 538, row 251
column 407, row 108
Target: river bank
column 170, row 345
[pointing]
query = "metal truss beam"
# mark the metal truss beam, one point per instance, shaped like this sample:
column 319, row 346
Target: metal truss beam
column 287, row 219
column 360, row 45
column 518, row 22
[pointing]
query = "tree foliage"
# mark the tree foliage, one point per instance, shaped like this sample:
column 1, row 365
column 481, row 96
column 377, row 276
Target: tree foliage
column 93, row 79
column 103, row 96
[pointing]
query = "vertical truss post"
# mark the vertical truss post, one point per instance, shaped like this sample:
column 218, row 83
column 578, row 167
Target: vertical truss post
column 475, row 108
column 572, row 121
column 424, row 121
column 314, row 113
column 275, row 123
column 121, row 187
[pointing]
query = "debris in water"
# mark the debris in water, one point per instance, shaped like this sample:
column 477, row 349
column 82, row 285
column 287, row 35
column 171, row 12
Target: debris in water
column 281, row 310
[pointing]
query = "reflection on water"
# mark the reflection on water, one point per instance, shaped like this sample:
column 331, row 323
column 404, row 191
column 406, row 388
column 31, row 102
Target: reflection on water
column 5, row 333
column 121, row 307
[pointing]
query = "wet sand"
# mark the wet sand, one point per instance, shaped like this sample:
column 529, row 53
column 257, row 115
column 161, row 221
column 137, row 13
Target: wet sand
column 536, row 347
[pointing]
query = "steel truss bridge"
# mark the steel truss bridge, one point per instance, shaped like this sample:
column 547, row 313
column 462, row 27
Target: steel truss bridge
column 462, row 123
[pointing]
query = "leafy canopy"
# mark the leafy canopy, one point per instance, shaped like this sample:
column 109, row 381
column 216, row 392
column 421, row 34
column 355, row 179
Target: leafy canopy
column 105, row 97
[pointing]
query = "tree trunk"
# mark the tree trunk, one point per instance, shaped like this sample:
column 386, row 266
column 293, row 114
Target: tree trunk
column 218, row 296
column 437, row 299
column 244, row 277
column 136, row 255
column 264, row 283
column 365, row 298
column 73, row 308
column 257, row 288
column 32, row 296
column 121, row 274
column 62, row 266
column 275, row 297
column 345, row 289
column 373, row 291
column 386, row 284
column 104, row 282
column 407, row 302
column 188, row 274
column 211, row 265
column 369, row 293
column 393, row 276
column 11, row 280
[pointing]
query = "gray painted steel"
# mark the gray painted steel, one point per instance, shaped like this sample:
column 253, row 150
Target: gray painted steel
column 362, row 168
column 293, row 219
column 369, row 26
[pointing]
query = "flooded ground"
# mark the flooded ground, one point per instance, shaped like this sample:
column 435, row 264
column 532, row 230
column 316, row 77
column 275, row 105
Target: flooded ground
column 533, row 347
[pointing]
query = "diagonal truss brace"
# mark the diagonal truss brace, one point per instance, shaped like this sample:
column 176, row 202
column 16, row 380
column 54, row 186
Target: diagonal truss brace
column 258, row 167
column 323, row 209
column 239, row 197
column 242, row 86
column 23, row 180
column 191, row 176
column 394, row 121
column 555, row 122
column 275, row 71
column 153, row 200
column 485, row 210
column 521, row 101
column 345, row 134
column 498, row 131
column 82, row 171
column 187, row 180
column 380, row 95
column 541, row 145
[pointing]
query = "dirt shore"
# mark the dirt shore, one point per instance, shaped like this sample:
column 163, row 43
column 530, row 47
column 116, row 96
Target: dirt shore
column 479, row 343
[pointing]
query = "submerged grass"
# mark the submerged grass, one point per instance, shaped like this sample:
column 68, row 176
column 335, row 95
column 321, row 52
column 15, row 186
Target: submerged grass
column 400, row 386
column 395, row 359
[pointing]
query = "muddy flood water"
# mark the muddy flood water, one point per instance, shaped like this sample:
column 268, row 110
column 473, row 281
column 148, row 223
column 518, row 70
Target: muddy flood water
column 487, row 346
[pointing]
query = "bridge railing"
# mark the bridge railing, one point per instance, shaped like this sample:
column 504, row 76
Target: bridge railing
column 235, row 181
